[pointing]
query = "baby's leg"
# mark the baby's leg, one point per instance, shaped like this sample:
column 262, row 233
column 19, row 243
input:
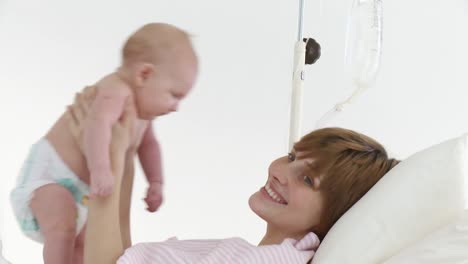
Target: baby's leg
column 125, row 201
column 54, row 208
column 79, row 247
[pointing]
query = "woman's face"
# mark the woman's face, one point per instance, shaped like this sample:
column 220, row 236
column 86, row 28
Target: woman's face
column 289, row 202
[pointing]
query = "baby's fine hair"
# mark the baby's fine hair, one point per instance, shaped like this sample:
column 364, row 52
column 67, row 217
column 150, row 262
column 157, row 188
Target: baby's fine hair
column 156, row 43
column 347, row 163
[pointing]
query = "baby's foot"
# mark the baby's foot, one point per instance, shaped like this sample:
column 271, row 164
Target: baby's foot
column 102, row 184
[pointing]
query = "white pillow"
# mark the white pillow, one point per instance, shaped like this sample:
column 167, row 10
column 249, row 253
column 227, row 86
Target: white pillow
column 447, row 245
column 422, row 193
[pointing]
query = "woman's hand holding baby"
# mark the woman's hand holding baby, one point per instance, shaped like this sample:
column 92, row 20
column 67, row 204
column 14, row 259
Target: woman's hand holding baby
column 102, row 184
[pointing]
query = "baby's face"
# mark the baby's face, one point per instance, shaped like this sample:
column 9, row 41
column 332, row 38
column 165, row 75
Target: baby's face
column 162, row 93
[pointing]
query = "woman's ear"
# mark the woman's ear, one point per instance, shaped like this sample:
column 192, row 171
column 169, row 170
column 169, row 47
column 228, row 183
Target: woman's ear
column 143, row 73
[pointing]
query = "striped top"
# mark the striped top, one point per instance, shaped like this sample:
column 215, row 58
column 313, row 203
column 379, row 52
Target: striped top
column 211, row 251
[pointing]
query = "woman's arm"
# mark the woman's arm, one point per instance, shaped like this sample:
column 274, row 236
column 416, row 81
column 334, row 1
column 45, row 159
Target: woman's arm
column 103, row 240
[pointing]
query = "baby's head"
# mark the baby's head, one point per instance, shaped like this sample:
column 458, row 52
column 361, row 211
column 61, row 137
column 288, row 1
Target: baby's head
column 347, row 164
column 160, row 65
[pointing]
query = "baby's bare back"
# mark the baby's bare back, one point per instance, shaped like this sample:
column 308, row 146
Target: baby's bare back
column 66, row 146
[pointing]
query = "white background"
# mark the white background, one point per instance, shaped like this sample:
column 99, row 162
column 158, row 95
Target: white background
column 218, row 147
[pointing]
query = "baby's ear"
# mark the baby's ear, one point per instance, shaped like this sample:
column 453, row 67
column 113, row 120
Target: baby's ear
column 143, row 73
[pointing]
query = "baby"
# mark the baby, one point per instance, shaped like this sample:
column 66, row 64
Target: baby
column 158, row 69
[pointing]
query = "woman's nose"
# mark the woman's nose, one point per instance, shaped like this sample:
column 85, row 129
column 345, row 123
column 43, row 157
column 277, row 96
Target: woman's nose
column 278, row 171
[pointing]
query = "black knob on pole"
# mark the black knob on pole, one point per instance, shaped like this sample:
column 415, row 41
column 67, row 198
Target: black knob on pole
column 312, row 51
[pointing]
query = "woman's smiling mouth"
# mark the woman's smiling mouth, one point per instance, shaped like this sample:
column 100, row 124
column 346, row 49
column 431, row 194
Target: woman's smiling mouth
column 273, row 195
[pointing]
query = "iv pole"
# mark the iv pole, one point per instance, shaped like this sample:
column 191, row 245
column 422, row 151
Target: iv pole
column 306, row 51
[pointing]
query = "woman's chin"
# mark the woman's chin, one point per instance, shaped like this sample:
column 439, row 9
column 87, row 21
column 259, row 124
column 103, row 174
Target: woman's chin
column 257, row 205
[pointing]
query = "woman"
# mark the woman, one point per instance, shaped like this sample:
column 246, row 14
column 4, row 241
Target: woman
column 305, row 193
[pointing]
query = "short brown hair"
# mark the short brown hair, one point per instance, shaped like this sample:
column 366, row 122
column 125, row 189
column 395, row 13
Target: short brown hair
column 348, row 164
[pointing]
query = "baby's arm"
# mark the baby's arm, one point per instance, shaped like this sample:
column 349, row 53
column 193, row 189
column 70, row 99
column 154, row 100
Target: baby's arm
column 149, row 154
column 104, row 112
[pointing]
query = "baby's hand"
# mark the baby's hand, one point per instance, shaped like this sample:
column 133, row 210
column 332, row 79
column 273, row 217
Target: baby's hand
column 154, row 196
column 102, row 183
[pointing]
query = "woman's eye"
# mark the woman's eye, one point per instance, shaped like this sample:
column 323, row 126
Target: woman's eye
column 308, row 181
column 291, row 156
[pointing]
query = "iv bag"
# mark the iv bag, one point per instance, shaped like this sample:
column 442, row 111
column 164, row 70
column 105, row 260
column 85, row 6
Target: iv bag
column 363, row 50
column 363, row 46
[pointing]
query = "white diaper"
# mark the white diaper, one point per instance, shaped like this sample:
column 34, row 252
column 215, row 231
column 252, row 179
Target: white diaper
column 44, row 166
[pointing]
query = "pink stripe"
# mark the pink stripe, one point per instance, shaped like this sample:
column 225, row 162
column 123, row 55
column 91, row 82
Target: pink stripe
column 233, row 250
